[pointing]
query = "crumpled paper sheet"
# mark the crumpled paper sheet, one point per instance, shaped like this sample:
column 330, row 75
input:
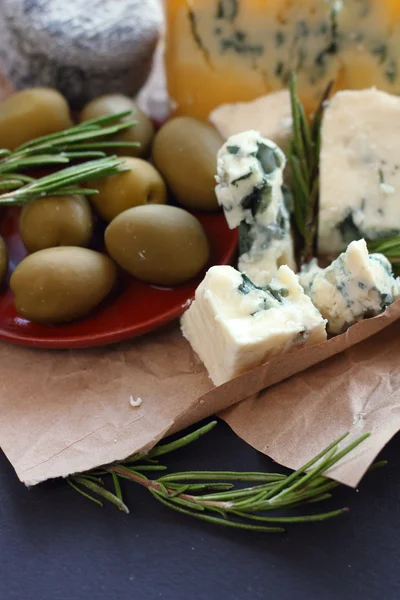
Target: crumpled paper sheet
column 68, row 411
column 357, row 391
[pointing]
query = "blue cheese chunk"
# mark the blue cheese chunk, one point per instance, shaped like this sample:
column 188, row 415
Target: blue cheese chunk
column 250, row 190
column 234, row 325
column 359, row 169
column 355, row 286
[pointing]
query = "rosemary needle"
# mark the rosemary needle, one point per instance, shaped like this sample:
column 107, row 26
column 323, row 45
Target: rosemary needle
column 218, row 497
column 87, row 141
column 303, row 158
column 63, row 182
column 390, row 247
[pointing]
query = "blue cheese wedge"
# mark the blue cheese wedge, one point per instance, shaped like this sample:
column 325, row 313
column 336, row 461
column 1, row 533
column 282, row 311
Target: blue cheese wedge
column 222, row 51
column 271, row 115
column 359, row 169
column 250, row 178
column 355, row 286
column 234, row 325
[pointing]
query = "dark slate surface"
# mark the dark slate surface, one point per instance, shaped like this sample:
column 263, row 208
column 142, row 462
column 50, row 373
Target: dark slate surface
column 56, row 545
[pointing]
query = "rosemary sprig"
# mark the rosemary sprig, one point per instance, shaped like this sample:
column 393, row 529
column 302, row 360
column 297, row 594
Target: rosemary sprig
column 219, row 497
column 303, row 158
column 390, row 247
column 86, row 141
column 63, row 182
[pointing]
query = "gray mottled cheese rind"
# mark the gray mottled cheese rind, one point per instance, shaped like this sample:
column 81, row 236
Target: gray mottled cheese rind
column 271, row 115
column 355, row 286
column 234, row 326
column 249, row 189
column 359, row 169
column 84, row 49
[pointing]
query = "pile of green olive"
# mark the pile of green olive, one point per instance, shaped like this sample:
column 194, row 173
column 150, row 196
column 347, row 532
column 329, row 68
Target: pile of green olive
column 156, row 242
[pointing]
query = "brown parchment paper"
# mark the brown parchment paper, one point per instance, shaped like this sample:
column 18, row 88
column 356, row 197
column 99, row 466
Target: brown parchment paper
column 357, row 391
column 68, row 411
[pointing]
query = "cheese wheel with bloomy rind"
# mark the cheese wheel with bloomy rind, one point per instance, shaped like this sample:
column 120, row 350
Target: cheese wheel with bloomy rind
column 84, row 49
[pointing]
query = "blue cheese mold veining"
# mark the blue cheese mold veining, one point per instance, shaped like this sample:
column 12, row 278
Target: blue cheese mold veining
column 234, row 325
column 355, row 286
column 250, row 190
column 359, row 169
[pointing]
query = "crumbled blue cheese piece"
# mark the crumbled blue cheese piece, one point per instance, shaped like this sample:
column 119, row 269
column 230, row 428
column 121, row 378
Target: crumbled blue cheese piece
column 271, row 114
column 135, row 403
column 250, row 178
column 355, row 286
column 359, row 169
column 234, row 326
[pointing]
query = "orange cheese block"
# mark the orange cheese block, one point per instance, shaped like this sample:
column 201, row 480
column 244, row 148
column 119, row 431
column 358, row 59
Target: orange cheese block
column 224, row 51
column 369, row 44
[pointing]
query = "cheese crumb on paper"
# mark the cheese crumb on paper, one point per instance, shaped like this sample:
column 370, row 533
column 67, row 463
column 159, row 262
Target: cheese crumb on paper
column 135, row 403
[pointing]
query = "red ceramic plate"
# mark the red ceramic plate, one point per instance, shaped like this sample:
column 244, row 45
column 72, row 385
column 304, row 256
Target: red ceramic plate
column 131, row 310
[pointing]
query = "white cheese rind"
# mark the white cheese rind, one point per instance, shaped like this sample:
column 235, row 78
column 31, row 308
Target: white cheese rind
column 355, row 286
column 271, row 115
column 234, row 326
column 359, row 169
column 250, row 178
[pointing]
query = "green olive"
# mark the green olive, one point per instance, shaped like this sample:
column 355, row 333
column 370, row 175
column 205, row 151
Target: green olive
column 185, row 152
column 32, row 113
column 56, row 221
column 142, row 184
column 142, row 132
column 3, row 260
column 58, row 285
column 160, row 244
